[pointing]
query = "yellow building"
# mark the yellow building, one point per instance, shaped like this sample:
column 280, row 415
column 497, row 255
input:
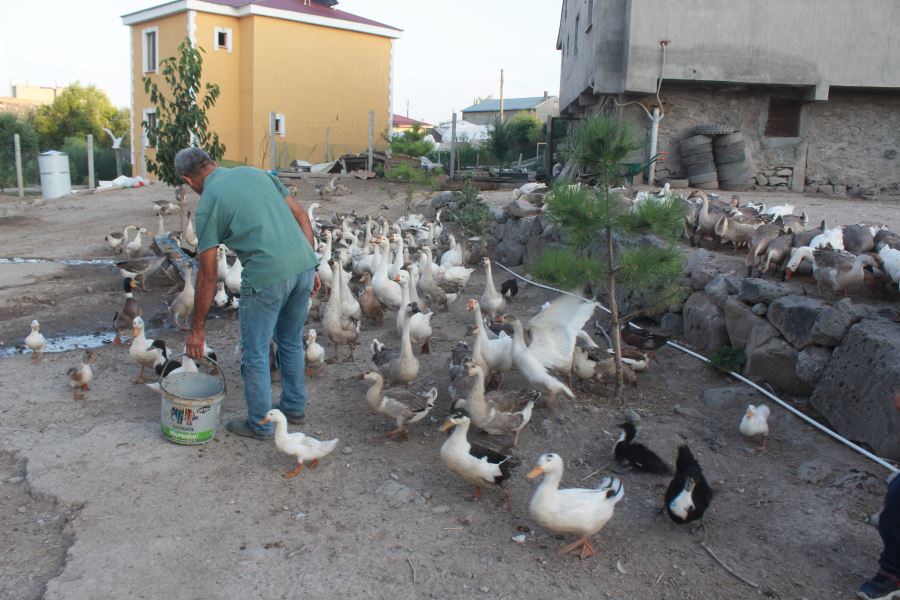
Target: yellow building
column 318, row 70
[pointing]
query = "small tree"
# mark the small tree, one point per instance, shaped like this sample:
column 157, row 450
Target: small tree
column 519, row 135
column 412, row 142
column 472, row 215
column 602, row 144
column 181, row 119
column 77, row 111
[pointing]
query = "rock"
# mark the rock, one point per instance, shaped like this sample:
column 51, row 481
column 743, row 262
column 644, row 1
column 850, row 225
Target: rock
column 840, row 189
column 633, row 417
column 759, row 309
column 755, row 290
column 784, row 172
column 761, row 179
column 813, row 471
column 832, row 324
column 704, row 323
column 774, row 360
column 509, row 252
column 702, row 275
column 811, row 363
column 721, row 286
column 440, row 509
column 398, row 494
column 500, row 230
column 776, row 180
column 672, row 324
column 856, row 391
column 535, row 199
column 824, row 188
column 731, row 397
column 811, row 188
column 346, row 450
column 794, row 317
column 691, row 413
column 441, row 199
column 521, row 208
column 739, row 322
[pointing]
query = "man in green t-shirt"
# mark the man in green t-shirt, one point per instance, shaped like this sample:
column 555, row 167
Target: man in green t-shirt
column 252, row 213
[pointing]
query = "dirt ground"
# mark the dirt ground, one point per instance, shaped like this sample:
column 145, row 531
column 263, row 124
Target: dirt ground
column 111, row 509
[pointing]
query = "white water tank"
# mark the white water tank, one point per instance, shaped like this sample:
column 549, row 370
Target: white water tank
column 56, row 181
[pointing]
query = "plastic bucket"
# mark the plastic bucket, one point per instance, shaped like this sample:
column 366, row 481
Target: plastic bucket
column 189, row 406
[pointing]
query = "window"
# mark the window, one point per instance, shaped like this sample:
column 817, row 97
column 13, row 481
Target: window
column 577, row 26
column 279, row 125
column 784, row 118
column 222, row 39
column 590, row 17
column 149, row 123
column 150, row 50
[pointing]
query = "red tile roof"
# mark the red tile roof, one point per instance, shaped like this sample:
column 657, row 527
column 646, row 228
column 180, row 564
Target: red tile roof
column 299, row 6
column 401, row 121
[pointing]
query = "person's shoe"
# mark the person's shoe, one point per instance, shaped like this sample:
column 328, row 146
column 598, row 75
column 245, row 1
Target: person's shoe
column 242, row 428
column 293, row 419
column 881, row 587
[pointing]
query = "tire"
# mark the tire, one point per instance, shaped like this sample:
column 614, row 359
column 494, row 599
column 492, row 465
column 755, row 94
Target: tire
column 696, row 153
column 712, row 185
column 695, row 140
column 734, row 186
column 700, row 178
column 734, row 171
column 694, row 170
column 697, row 159
column 713, row 130
column 727, row 140
column 730, row 154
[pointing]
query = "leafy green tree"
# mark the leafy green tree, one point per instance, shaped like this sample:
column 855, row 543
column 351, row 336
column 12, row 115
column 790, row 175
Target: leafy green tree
column 602, row 144
column 78, row 111
column 11, row 124
column 181, row 119
column 412, row 142
column 519, row 135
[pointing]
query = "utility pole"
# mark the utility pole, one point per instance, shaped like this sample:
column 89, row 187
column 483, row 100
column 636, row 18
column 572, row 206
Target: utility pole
column 407, row 108
column 501, row 95
column 453, row 146
column 18, row 150
column 90, row 158
column 371, row 161
column 327, row 144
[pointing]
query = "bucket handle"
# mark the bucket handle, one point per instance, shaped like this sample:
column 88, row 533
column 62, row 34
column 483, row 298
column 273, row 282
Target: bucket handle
column 218, row 368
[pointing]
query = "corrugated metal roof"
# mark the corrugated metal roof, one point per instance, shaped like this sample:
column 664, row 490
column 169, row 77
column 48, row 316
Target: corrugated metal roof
column 493, row 105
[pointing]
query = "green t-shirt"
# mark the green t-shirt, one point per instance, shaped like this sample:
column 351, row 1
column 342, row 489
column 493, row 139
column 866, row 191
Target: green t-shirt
column 245, row 209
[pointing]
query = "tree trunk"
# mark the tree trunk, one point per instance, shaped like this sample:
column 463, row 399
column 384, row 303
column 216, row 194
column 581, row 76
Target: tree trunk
column 614, row 313
column 179, row 195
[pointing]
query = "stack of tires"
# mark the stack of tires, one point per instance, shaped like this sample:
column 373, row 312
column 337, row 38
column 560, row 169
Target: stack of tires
column 698, row 163
column 731, row 161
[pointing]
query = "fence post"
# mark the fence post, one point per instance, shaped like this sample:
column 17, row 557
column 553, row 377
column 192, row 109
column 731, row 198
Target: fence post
column 19, row 181
column 548, row 151
column 371, row 162
column 327, row 144
column 453, row 146
column 273, row 147
column 90, row 157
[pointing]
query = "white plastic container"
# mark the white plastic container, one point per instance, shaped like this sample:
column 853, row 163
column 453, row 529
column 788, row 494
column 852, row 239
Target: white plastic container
column 56, row 180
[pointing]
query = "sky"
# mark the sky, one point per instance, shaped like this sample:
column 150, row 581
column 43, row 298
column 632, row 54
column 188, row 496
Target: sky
column 451, row 51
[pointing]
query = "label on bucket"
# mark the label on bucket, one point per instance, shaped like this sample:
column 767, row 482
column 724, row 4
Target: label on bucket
column 185, row 436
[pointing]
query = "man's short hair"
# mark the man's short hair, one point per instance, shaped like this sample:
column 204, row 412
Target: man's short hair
column 190, row 160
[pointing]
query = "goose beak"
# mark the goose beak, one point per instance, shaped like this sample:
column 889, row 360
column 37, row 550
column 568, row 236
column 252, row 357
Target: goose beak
column 447, row 425
column 136, row 332
column 396, row 278
column 535, row 472
column 470, row 305
column 265, row 421
column 788, row 274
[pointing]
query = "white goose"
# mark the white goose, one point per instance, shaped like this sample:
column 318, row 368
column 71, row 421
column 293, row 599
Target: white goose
column 388, row 292
column 233, row 277
column 221, row 263
column 492, row 302
column 419, row 322
column 339, row 327
column 453, row 256
column 190, row 236
column 555, row 330
column 531, row 366
column 134, row 247
column 495, row 355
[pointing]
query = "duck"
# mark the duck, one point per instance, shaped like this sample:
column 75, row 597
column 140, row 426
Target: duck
column 509, row 289
column 480, row 466
column 81, row 376
column 556, row 329
column 755, row 423
column 299, row 445
column 405, row 407
column 433, row 293
column 172, row 367
column 124, row 319
column 840, row 270
column 190, row 236
column 531, row 367
column 492, row 301
column 35, row 341
column 160, row 226
column 387, row 291
column 890, row 259
column 493, row 354
column 459, row 381
column 147, row 353
column 453, row 256
column 349, row 304
column 413, row 270
column 183, row 304
column 688, row 495
column 368, row 303
column 396, row 367
column 643, row 339
column 339, row 326
column 831, row 237
column 324, row 255
column 221, row 263
column 488, row 414
column 133, row 248
column 637, row 455
column 589, row 366
column 313, row 353
column 225, row 300
column 452, row 279
column 572, row 510
column 419, row 322
column 164, row 207
column 117, row 241
column 233, row 277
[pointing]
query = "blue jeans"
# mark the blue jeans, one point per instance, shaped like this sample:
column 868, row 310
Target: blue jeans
column 277, row 312
column 889, row 528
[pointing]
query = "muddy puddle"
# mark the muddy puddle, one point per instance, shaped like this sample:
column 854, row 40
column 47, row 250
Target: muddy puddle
column 64, row 344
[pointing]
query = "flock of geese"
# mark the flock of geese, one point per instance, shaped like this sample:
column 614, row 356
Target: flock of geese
column 370, row 267
column 780, row 241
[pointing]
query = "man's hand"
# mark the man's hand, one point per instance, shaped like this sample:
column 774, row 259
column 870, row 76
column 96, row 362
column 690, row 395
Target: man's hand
column 196, row 340
column 317, row 284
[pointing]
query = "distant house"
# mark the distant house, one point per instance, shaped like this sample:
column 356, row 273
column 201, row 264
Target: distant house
column 26, row 98
column 812, row 85
column 402, row 124
column 487, row 111
column 315, row 67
